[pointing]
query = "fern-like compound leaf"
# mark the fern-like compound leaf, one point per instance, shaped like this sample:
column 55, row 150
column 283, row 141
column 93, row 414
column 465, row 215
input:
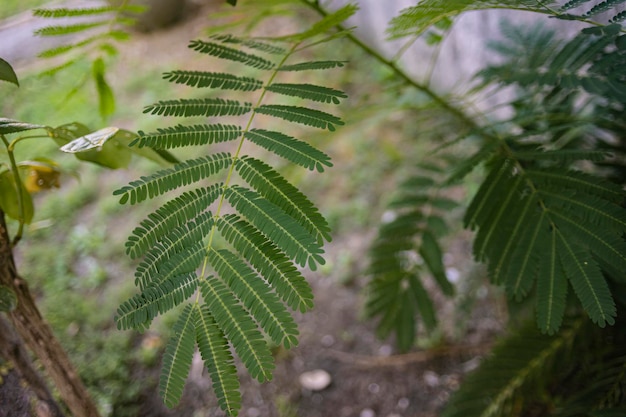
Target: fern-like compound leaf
column 249, row 259
column 266, row 258
column 239, row 328
column 225, row 52
column 215, row 352
column 185, row 173
column 304, row 115
column 181, row 136
column 177, row 359
column 294, row 150
column 405, row 249
column 220, row 80
column 289, row 235
column 255, row 295
column 308, row 91
column 515, row 367
column 198, row 107
column 517, row 211
column 277, row 190
column 174, row 213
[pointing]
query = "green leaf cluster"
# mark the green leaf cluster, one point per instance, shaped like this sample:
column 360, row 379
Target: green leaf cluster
column 234, row 234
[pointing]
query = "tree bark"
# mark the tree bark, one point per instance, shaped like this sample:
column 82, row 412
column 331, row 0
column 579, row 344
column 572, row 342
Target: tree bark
column 38, row 336
column 12, row 349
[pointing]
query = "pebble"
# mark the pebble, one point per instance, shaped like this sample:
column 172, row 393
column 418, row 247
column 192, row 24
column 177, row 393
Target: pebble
column 367, row 412
column 315, row 380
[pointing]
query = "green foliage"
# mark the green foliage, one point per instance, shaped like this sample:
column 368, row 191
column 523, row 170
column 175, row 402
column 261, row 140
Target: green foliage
column 405, row 248
column 549, row 218
column 415, row 20
column 99, row 28
column 240, row 261
column 572, row 373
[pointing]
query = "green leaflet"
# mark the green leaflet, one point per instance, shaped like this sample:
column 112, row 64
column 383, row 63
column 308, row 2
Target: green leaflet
column 304, row 115
column 246, row 243
column 198, row 107
column 213, row 347
column 308, row 91
column 213, row 80
column 177, row 357
column 181, row 136
column 232, row 54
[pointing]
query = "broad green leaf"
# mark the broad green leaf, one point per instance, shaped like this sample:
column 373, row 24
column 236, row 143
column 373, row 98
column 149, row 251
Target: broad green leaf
column 8, row 126
column 7, row 73
column 106, row 99
column 94, row 140
column 9, row 199
column 98, row 147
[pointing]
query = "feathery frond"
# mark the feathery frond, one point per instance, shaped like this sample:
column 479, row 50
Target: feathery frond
column 244, row 263
column 404, row 249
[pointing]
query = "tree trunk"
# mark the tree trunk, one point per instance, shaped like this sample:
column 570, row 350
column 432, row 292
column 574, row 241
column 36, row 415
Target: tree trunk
column 38, row 336
column 12, row 350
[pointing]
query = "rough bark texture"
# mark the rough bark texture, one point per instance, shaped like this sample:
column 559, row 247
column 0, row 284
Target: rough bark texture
column 38, row 336
column 15, row 398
